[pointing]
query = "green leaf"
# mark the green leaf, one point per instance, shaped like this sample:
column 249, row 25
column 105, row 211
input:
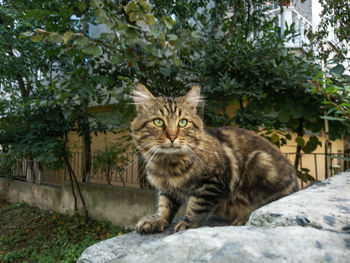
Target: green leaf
column 267, row 108
column 176, row 60
column 340, row 158
column 284, row 116
column 26, row 34
column 331, row 118
column 96, row 3
column 275, row 138
column 92, row 50
column 196, row 34
column 82, row 42
column 318, row 76
column 300, row 141
column 165, row 71
column 131, row 33
column 305, row 176
column 150, row 20
column 115, row 59
column 331, row 90
column 298, row 112
column 130, row 7
column 55, row 37
column 67, row 36
column 133, row 16
column 311, row 145
column 101, row 16
column 172, row 37
column 82, row 6
column 97, row 51
column 37, row 38
column 145, row 5
column 168, row 22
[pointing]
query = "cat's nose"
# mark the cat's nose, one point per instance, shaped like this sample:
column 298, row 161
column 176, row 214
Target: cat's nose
column 172, row 137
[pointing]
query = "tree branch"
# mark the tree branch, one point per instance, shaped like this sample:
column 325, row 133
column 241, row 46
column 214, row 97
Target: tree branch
column 327, row 97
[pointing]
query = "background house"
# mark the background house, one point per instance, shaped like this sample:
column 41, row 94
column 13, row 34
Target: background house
column 305, row 17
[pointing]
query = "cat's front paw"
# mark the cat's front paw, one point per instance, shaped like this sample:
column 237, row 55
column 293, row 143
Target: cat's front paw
column 151, row 224
column 182, row 225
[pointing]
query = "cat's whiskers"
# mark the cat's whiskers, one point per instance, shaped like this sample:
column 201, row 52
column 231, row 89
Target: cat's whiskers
column 145, row 146
column 199, row 160
column 147, row 156
column 199, row 147
column 189, row 155
column 155, row 149
column 194, row 156
column 142, row 156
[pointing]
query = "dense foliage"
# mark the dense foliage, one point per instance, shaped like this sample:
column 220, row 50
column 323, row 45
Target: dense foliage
column 60, row 57
column 333, row 50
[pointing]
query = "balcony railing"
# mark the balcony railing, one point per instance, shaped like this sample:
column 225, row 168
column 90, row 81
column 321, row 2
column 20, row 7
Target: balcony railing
column 287, row 16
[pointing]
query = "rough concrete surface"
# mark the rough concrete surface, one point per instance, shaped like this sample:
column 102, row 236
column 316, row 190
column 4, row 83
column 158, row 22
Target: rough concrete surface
column 120, row 205
column 312, row 225
column 324, row 205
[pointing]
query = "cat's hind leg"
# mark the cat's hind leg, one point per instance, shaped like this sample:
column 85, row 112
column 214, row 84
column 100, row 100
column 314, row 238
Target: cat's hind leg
column 237, row 211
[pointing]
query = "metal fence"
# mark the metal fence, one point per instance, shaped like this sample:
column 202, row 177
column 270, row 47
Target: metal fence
column 127, row 169
column 319, row 166
column 126, row 173
column 123, row 169
column 35, row 172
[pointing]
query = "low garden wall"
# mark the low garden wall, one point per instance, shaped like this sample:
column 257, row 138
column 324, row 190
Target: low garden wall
column 120, row 205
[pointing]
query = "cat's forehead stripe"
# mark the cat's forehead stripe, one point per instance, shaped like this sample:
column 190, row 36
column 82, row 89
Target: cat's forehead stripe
column 164, row 104
column 170, row 104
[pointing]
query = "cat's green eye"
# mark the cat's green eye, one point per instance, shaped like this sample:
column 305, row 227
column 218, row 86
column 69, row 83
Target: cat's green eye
column 158, row 122
column 182, row 123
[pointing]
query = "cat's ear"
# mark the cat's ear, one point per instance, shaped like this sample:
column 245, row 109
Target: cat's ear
column 193, row 97
column 142, row 97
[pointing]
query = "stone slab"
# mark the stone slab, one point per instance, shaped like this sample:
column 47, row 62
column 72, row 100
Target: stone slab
column 225, row 244
column 312, row 225
column 324, row 205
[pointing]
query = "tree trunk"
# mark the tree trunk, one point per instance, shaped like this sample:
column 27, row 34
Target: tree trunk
column 86, row 144
column 300, row 133
column 24, row 89
column 241, row 106
column 297, row 157
column 73, row 179
column 108, row 176
column 84, row 123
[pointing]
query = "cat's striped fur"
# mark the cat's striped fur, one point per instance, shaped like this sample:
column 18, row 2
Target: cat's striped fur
column 228, row 171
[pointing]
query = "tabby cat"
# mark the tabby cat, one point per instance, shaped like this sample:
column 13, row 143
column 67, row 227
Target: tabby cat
column 228, row 171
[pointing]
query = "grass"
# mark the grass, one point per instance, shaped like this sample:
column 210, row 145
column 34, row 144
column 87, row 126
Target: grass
column 28, row 234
